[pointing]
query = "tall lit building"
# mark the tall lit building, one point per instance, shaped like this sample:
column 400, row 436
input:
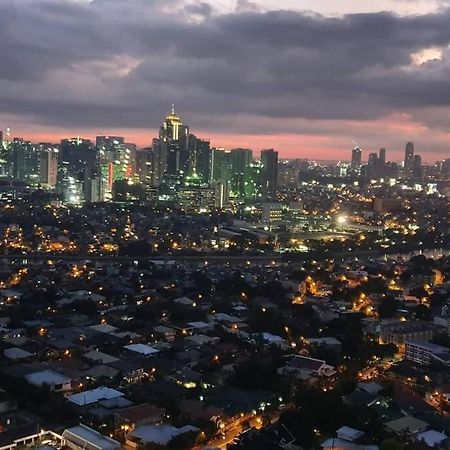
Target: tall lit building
column 48, row 170
column 115, row 159
column 221, row 165
column 77, row 159
column 417, row 168
column 356, row 157
column 23, row 161
column 241, row 159
column 372, row 165
column 269, row 161
column 253, row 181
column 174, row 143
column 409, row 156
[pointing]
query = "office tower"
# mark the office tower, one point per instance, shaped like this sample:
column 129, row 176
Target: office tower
column 391, row 169
column 409, row 156
column 195, row 196
column 445, row 168
column 221, row 198
column 417, row 169
column 201, row 158
column 93, row 191
column 130, row 151
column 269, row 161
column 356, row 157
column 48, row 170
column 382, row 162
column 174, row 142
column 158, row 162
column 115, row 161
column 23, row 161
column 221, row 165
column 372, row 166
column 382, row 156
column 143, row 165
column 3, row 156
column 253, row 181
column 77, row 159
column 240, row 160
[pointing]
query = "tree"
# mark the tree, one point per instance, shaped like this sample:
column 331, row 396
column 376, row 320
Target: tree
column 392, row 444
column 388, row 308
column 255, row 374
column 422, row 312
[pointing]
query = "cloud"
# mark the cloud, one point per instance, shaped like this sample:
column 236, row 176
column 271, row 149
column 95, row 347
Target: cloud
column 109, row 63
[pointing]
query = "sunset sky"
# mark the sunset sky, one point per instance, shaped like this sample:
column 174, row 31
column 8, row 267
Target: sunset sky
column 307, row 78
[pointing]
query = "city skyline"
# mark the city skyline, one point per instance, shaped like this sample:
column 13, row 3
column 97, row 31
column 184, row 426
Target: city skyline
column 244, row 73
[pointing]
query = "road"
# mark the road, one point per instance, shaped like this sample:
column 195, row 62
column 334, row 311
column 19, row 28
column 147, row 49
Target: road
column 210, row 259
column 235, row 431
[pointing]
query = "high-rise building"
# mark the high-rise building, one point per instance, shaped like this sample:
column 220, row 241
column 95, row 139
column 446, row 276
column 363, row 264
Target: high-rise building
column 253, row 181
column 356, row 157
column 409, row 156
column 372, row 165
column 417, row 168
column 382, row 162
column 221, row 165
column 48, row 170
column 240, row 161
column 269, row 161
column 174, row 143
column 77, row 160
column 23, row 161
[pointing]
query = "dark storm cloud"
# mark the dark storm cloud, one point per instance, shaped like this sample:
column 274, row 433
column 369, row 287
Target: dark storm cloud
column 119, row 64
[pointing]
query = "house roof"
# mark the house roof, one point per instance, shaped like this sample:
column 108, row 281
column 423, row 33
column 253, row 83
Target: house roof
column 406, row 423
column 142, row 349
column 83, row 435
column 94, row 395
column 103, row 328
column 140, row 412
column 305, row 363
column 100, row 356
column 46, row 377
column 160, row 434
column 349, row 434
column 16, row 353
column 431, row 437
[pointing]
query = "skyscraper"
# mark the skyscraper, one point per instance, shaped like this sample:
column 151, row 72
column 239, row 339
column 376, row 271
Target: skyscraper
column 269, row 161
column 382, row 162
column 240, row 160
column 48, row 170
column 77, row 160
column 409, row 156
column 174, row 142
column 417, row 169
column 372, row 165
column 23, row 161
column 356, row 157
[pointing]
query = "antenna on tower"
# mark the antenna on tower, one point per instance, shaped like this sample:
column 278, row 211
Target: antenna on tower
column 173, row 108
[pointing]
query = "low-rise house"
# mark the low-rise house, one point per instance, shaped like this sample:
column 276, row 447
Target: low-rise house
column 82, row 437
column 55, row 381
column 94, row 396
column 406, row 424
column 423, row 353
column 142, row 414
column 307, row 368
column 17, row 354
column 143, row 435
column 164, row 332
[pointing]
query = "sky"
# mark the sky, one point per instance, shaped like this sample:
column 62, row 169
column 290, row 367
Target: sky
column 308, row 78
